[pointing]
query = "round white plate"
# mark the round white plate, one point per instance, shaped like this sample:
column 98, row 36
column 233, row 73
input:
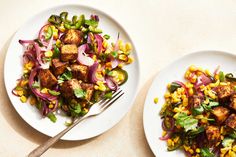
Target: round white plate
column 90, row 127
column 175, row 71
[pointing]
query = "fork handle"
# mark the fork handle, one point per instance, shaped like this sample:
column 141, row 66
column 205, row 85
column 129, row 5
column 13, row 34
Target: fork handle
column 46, row 145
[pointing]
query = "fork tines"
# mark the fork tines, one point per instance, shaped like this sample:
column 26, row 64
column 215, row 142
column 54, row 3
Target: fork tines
column 107, row 102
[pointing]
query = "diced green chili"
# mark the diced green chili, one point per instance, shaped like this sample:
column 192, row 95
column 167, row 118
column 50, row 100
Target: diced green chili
column 54, row 19
column 221, row 76
column 174, row 86
column 230, row 77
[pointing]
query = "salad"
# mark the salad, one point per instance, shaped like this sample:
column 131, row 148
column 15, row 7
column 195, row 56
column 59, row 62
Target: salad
column 199, row 115
column 70, row 66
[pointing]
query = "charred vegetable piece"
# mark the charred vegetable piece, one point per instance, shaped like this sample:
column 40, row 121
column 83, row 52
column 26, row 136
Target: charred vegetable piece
column 174, row 86
column 230, row 77
column 120, row 76
column 177, row 144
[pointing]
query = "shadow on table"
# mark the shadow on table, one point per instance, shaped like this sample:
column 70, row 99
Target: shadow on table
column 14, row 119
column 136, row 119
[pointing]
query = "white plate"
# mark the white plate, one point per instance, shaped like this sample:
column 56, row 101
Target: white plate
column 90, row 127
column 175, row 71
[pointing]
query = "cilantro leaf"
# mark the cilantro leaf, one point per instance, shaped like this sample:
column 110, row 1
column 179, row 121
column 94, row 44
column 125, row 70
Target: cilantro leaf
column 36, row 84
column 65, row 76
column 205, row 152
column 53, row 92
column 79, row 93
column 185, row 121
column 52, row 117
column 75, row 110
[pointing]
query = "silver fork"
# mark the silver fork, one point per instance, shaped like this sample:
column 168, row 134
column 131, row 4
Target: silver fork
column 96, row 109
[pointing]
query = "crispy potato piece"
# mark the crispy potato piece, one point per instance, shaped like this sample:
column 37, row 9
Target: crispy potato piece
column 69, row 52
column 47, row 79
column 231, row 121
column 80, row 72
column 58, row 66
column 220, row 113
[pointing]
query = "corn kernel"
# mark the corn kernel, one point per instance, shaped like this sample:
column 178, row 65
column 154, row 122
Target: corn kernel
column 164, row 133
column 190, row 91
column 50, row 106
column 128, row 46
column 192, row 68
column 217, row 77
column 130, row 60
column 23, row 99
column 32, row 100
column 20, row 92
column 167, row 95
column 120, row 65
column 156, row 100
column 108, row 64
column 104, row 43
column 48, row 53
column 198, row 150
column 44, row 90
column 96, row 87
column 62, row 28
column 234, row 148
column 123, row 57
column 191, row 151
column 169, row 142
column 58, row 43
column 187, row 73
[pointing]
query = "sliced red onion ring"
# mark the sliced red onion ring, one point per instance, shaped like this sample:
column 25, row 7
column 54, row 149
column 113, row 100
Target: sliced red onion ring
column 166, row 137
column 172, row 124
column 114, row 63
column 202, row 80
column 45, row 109
column 183, row 85
column 111, row 83
column 37, row 92
column 92, row 73
column 99, row 40
column 216, row 70
column 41, row 35
column 82, row 58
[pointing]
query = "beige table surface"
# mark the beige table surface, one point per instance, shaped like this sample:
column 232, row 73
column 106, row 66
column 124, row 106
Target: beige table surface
column 162, row 30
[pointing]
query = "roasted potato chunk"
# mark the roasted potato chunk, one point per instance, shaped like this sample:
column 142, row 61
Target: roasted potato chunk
column 213, row 134
column 80, row 72
column 69, row 52
column 67, row 88
column 231, row 121
column 224, row 92
column 73, row 37
column 89, row 90
column 47, row 79
column 195, row 101
column 233, row 102
column 220, row 113
column 58, row 66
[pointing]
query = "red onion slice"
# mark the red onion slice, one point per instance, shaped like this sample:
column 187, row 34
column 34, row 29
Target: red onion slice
column 41, row 35
column 99, row 40
column 111, row 84
column 166, row 137
column 114, row 63
column 92, row 73
column 82, row 58
column 183, row 85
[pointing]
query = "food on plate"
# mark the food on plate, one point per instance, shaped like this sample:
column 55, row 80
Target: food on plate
column 70, row 66
column 199, row 114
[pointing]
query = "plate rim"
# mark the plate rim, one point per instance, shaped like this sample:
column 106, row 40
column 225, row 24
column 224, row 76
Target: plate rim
column 96, row 9
column 147, row 136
